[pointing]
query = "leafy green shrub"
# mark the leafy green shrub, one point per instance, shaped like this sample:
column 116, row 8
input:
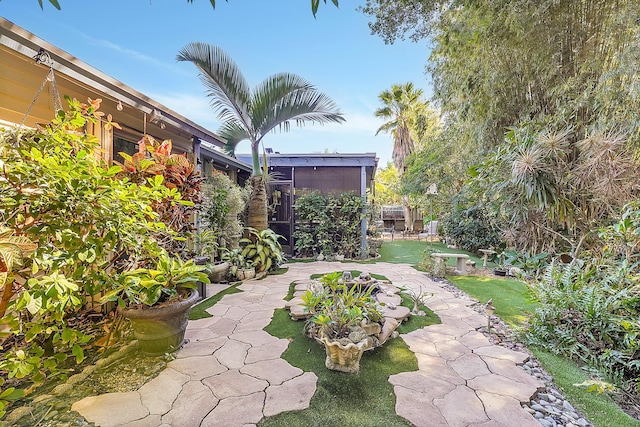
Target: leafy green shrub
column 83, row 223
column 223, row 201
column 531, row 265
column 434, row 267
column 328, row 224
column 262, row 249
column 589, row 309
column 471, row 229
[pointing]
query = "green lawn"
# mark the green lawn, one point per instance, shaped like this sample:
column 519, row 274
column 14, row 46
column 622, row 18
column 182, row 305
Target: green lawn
column 510, row 297
column 412, row 252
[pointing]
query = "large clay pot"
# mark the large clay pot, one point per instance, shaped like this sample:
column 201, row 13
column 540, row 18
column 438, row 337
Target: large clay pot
column 343, row 358
column 161, row 330
column 218, row 272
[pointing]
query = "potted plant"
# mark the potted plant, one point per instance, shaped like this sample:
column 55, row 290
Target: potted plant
column 263, row 249
column 157, row 301
column 208, row 250
column 500, row 269
column 342, row 313
column 240, row 267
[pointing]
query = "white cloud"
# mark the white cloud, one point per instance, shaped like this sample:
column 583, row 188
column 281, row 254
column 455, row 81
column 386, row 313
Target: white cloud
column 194, row 107
column 133, row 54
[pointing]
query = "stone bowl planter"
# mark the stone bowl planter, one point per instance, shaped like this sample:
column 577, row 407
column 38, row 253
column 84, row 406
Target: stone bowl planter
column 218, row 271
column 246, row 273
column 343, row 358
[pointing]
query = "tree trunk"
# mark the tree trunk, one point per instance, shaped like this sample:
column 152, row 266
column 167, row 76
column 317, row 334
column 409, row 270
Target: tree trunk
column 408, row 214
column 257, row 216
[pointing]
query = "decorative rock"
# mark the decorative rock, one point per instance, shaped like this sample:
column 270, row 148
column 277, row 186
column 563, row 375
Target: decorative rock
column 17, row 414
column 298, row 312
column 371, row 328
column 320, row 257
column 62, row 388
column 389, row 300
column 399, row 313
column 566, row 405
column 357, row 335
column 388, row 328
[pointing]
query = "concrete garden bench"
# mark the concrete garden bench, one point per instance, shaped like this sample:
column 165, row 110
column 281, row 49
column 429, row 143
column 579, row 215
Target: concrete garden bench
column 461, row 261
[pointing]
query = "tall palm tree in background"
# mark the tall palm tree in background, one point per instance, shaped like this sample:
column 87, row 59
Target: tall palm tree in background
column 251, row 114
column 400, row 106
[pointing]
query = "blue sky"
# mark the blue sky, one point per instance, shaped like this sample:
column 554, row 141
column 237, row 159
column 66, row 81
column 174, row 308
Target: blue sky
column 136, row 42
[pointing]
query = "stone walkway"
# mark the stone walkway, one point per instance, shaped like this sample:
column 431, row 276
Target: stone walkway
column 230, row 372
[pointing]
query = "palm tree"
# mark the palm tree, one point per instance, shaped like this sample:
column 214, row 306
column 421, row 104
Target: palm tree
column 400, row 104
column 251, row 114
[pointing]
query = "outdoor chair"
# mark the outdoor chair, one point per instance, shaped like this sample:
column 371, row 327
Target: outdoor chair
column 430, row 230
column 387, row 232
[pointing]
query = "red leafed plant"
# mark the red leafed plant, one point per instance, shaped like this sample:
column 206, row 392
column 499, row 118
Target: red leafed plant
column 155, row 158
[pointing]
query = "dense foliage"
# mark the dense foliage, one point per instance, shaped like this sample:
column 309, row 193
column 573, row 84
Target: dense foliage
column 556, row 71
column 328, row 225
column 223, row 202
column 538, row 101
column 179, row 175
column 67, row 225
column 471, row 229
column 589, row 308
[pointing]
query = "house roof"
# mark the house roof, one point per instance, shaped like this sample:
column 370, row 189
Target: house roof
column 81, row 75
column 325, row 159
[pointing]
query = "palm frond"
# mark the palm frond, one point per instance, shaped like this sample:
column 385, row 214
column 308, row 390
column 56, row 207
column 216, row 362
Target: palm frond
column 286, row 97
column 232, row 132
column 227, row 87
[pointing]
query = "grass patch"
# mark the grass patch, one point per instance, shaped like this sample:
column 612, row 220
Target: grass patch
column 417, row 322
column 510, row 297
column 412, row 252
column 292, row 290
column 599, row 409
column 198, row 311
column 280, row 271
column 349, row 400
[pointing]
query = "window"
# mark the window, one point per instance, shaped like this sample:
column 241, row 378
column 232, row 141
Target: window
column 124, row 146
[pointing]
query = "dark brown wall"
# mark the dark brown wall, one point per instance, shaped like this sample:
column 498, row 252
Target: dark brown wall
column 334, row 180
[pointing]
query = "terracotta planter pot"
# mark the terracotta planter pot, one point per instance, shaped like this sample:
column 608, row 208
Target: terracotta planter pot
column 161, row 330
column 343, row 358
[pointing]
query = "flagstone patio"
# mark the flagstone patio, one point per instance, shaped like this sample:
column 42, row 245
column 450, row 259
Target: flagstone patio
column 230, row 373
